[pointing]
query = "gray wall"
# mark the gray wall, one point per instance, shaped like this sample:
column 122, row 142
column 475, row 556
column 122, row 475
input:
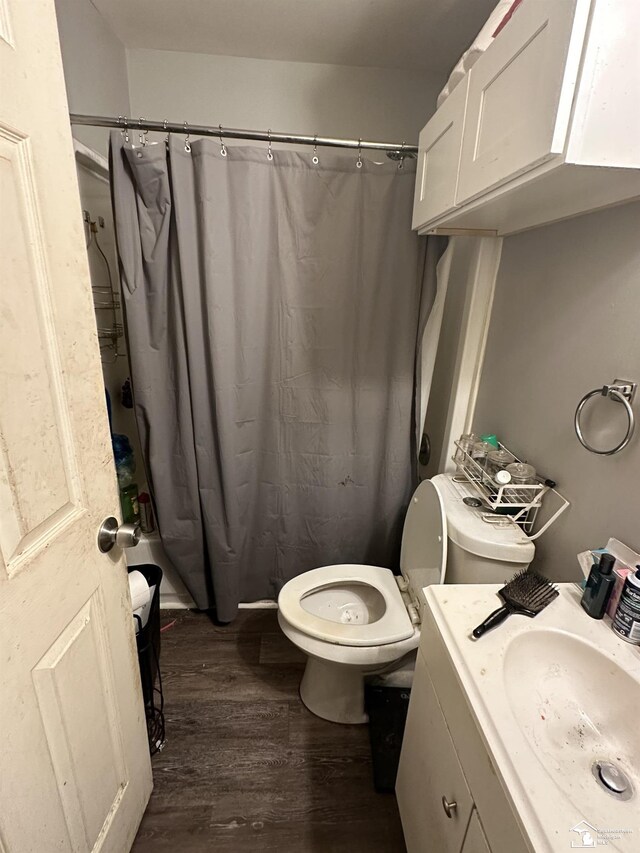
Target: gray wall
column 566, row 319
column 103, row 78
column 95, row 68
column 302, row 97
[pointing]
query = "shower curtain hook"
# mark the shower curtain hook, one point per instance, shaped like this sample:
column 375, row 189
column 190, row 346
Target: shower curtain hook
column 401, row 163
column 164, row 127
column 187, row 144
column 223, row 149
column 142, row 134
column 124, row 132
column 315, row 159
column 359, row 160
column 269, row 154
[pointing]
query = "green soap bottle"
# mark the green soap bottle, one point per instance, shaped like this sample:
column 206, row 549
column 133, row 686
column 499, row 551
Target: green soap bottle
column 129, row 504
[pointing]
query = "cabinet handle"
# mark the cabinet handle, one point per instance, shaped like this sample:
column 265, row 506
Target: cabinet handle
column 449, row 808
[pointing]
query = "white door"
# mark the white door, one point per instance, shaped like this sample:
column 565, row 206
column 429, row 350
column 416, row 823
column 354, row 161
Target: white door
column 75, row 773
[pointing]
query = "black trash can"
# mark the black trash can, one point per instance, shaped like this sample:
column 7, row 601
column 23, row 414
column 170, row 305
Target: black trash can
column 148, row 643
column 387, row 708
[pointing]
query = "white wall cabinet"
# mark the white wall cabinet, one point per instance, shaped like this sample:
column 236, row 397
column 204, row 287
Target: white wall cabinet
column 546, row 125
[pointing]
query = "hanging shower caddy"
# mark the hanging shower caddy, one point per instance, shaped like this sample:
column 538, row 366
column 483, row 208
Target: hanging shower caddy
column 510, row 504
column 106, row 301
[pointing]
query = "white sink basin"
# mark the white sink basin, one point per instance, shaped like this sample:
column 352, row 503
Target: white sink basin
column 557, row 699
column 574, row 706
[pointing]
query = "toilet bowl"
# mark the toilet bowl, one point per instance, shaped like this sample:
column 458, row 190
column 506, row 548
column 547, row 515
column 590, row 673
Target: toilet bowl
column 356, row 620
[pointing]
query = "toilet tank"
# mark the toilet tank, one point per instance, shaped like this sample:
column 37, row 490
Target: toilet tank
column 478, row 551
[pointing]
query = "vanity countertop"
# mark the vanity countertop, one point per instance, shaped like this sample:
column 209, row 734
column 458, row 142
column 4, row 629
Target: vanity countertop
column 551, row 696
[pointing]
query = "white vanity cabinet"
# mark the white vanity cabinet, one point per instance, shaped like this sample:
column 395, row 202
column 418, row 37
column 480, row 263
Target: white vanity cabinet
column 550, row 123
column 475, row 841
column 444, row 762
column 433, row 797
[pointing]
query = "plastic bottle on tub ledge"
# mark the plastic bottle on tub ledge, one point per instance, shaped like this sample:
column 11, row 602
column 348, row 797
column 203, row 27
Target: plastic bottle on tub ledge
column 125, row 469
column 147, row 523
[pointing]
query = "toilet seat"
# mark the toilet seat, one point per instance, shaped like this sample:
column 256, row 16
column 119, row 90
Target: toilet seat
column 394, row 624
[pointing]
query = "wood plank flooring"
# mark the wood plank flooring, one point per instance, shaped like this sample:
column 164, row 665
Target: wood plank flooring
column 246, row 767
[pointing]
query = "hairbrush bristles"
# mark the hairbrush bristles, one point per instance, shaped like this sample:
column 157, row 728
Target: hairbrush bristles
column 526, row 593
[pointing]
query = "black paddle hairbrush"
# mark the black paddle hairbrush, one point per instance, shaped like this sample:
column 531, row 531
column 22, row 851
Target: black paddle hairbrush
column 527, row 593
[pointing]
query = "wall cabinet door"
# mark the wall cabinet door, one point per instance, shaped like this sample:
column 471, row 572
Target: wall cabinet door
column 520, row 94
column 439, row 157
column 475, row 840
column 430, row 776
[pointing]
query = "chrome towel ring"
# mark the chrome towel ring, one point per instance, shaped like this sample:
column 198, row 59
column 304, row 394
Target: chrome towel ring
column 620, row 391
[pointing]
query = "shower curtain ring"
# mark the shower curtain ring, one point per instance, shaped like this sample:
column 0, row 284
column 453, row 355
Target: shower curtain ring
column 223, row 149
column 359, row 160
column 124, row 132
column 401, row 163
column 269, row 154
column 142, row 134
column 314, row 159
column 187, row 144
column 164, row 127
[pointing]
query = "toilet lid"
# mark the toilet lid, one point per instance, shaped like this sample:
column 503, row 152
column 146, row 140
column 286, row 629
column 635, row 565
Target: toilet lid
column 423, row 557
column 394, row 625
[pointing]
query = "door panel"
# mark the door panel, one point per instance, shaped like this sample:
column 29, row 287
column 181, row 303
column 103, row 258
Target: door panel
column 439, row 158
column 520, row 95
column 475, row 840
column 88, row 760
column 429, row 770
column 39, row 486
column 75, row 762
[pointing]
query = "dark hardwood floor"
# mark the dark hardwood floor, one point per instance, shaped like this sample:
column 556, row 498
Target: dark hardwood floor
column 246, row 767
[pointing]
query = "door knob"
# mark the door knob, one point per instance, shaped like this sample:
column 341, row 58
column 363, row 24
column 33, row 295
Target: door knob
column 449, row 808
column 123, row 535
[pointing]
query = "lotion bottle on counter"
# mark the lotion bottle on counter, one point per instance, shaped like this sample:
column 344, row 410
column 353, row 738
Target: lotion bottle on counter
column 626, row 622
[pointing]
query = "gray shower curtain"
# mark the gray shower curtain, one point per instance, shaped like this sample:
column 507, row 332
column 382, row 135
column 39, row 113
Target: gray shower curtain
column 273, row 309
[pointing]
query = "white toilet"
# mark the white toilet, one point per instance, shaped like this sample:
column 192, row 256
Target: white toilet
column 354, row 620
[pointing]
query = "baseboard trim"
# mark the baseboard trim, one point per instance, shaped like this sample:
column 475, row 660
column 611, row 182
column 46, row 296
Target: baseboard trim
column 176, row 602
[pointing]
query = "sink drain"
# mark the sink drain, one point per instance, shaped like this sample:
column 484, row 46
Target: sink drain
column 612, row 779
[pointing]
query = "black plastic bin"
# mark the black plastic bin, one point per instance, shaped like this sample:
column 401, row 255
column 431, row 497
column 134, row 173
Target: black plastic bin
column 387, row 708
column 148, row 643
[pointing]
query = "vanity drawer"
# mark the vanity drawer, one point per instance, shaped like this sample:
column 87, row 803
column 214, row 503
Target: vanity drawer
column 430, row 778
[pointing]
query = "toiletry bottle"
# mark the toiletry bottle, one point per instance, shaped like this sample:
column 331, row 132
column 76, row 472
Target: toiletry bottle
column 626, row 622
column 599, row 586
column 147, row 524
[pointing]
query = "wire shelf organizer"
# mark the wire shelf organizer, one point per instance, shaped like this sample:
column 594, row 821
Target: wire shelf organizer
column 508, row 504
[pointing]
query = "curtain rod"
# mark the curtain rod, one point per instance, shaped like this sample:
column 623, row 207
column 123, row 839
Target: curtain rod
column 394, row 149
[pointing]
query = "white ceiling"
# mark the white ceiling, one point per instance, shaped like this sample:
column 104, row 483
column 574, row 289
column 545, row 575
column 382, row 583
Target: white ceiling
column 412, row 34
